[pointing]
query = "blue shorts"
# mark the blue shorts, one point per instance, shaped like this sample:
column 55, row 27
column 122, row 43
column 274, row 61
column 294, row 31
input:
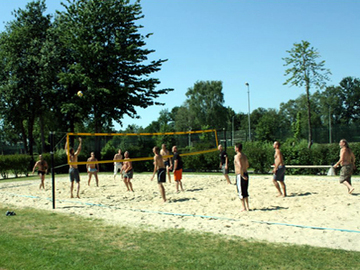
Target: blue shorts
column 74, row 175
column 280, row 174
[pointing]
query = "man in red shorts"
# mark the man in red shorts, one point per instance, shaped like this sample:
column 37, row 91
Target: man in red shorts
column 177, row 166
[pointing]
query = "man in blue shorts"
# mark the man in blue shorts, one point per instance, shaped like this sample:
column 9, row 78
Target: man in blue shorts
column 73, row 169
column 279, row 170
column 93, row 168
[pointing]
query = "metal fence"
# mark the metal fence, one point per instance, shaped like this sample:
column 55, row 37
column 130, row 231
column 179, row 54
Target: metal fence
column 320, row 135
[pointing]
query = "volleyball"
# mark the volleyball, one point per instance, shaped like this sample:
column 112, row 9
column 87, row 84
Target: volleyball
column 80, row 93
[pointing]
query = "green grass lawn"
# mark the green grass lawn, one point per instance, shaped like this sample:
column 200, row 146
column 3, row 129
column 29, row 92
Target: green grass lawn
column 36, row 239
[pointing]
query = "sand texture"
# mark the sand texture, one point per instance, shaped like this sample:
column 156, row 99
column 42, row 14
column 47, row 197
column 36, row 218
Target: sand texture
column 318, row 210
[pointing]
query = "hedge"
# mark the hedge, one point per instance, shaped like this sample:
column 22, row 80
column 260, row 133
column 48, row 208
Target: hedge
column 260, row 155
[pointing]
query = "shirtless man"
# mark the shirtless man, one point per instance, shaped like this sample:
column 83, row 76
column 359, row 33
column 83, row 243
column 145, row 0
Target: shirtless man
column 73, row 169
column 167, row 161
column 117, row 165
column 347, row 162
column 279, row 170
column 241, row 165
column 93, row 168
column 159, row 168
column 42, row 170
column 127, row 171
column 224, row 163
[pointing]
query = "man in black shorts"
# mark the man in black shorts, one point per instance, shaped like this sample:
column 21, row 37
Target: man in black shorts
column 159, row 168
column 167, row 160
column 42, row 166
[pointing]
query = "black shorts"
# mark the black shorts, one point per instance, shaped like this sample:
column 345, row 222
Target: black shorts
column 161, row 175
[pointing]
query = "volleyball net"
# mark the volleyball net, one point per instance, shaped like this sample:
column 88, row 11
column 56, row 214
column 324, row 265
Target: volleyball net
column 140, row 145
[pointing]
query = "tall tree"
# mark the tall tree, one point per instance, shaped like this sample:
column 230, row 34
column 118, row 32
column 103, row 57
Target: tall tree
column 305, row 71
column 25, row 80
column 109, row 61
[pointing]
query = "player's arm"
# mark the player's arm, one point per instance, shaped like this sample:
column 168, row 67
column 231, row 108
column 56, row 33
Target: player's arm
column 242, row 164
column 129, row 167
column 46, row 167
column 154, row 169
column 175, row 165
column 342, row 153
column 36, row 164
column 226, row 161
column 88, row 165
column 79, row 147
column 66, row 148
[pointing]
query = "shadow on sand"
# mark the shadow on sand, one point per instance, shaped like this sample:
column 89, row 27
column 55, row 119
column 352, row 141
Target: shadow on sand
column 301, row 194
column 271, row 208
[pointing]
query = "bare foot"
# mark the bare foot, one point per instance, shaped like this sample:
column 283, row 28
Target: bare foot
column 77, row 196
column 243, row 210
column 280, row 195
column 351, row 190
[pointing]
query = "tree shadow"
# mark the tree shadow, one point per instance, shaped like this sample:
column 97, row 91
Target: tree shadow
column 271, row 208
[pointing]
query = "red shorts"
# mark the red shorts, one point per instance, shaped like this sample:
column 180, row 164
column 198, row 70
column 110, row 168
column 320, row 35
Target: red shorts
column 178, row 175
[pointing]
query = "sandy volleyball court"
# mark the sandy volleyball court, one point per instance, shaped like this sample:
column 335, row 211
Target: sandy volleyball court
column 317, row 212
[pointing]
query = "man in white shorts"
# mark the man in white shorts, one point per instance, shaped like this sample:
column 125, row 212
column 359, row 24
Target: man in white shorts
column 117, row 164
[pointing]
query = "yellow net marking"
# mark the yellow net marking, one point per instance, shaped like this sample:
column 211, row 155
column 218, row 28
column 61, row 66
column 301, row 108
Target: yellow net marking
column 139, row 134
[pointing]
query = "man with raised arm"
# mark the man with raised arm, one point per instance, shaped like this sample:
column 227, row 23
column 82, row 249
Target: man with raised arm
column 73, row 169
column 279, row 170
column 224, row 163
column 347, row 163
column 241, row 165
column 167, row 161
column 159, row 169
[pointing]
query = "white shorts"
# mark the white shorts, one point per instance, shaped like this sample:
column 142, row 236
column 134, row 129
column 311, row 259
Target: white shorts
column 117, row 167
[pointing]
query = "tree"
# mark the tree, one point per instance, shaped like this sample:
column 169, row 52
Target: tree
column 305, row 71
column 267, row 125
column 349, row 95
column 294, row 114
column 108, row 60
column 25, row 77
column 204, row 106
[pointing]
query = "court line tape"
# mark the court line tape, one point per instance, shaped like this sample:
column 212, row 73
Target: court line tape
column 190, row 215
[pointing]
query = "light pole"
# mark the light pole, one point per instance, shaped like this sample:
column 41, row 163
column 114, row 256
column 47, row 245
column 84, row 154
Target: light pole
column 232, row 127
column 330, row 139
column 248, row 87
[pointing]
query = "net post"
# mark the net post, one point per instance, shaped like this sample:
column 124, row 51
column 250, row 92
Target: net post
column 224, row 130
column 52, row 167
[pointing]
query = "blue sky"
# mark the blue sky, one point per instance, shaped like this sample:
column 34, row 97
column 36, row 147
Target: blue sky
column 239, row 41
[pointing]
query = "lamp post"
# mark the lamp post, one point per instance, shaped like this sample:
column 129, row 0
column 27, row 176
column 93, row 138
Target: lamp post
column 330, row 139
column 232, row 128
column 248, row 87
